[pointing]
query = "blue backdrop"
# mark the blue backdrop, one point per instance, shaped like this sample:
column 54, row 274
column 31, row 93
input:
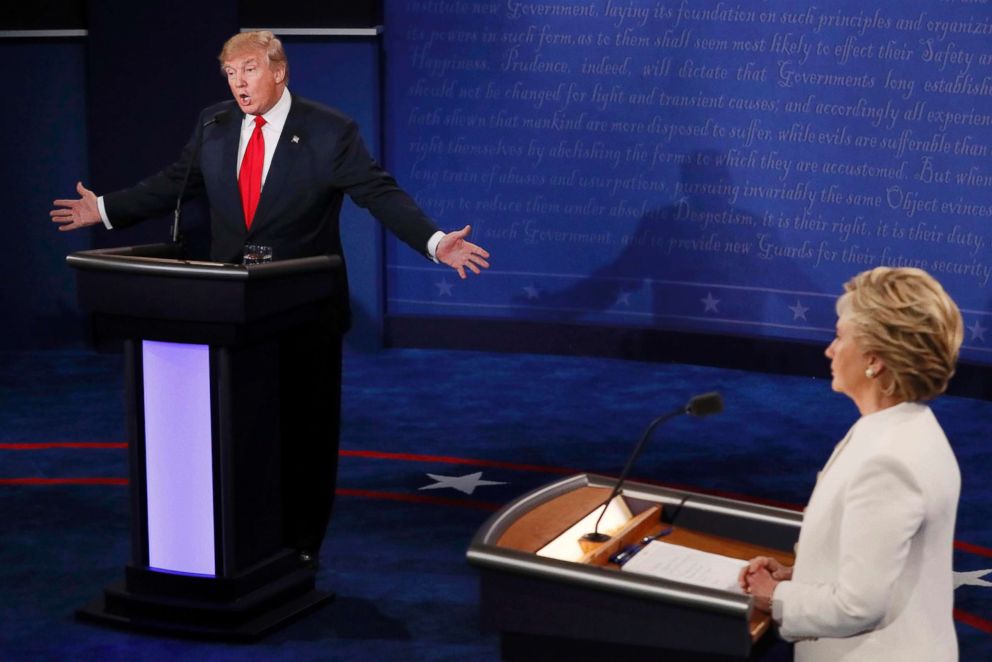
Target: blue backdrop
column 690, row 166
column 711, row 166
column 42, row 157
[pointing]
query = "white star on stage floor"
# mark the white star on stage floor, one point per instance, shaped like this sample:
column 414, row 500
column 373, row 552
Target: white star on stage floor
column 465, row 484
column 798, row 311
column 443, row 287
column 973, row 578
column 977, row 331
column 710, row 303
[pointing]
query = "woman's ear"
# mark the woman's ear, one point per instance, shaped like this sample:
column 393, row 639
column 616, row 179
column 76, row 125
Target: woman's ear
column 875, row 366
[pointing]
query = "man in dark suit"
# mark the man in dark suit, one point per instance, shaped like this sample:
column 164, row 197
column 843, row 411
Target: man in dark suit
column 274, row 169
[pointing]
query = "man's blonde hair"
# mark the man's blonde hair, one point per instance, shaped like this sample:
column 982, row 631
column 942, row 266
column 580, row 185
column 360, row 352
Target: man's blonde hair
column 262, row 40
column 905, row 318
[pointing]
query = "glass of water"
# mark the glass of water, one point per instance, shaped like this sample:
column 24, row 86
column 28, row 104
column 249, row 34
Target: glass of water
column 256, row 254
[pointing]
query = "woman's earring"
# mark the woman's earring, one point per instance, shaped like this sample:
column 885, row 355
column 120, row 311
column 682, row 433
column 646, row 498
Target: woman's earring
column 870, row 372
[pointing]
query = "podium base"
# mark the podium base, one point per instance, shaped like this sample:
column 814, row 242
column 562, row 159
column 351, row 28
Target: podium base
column 238, row 619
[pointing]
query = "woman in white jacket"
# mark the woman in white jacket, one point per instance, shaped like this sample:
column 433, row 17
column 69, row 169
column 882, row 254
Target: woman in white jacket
column 873, row 576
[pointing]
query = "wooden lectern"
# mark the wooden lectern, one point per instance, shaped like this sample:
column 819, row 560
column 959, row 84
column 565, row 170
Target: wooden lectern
column 543, row 607
column 204, row 401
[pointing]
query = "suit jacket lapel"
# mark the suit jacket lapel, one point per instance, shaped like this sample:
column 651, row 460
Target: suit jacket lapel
column 230, row 194
column 283, row 163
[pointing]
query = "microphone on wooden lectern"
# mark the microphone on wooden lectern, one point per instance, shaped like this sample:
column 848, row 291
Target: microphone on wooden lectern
column 700, row 405
column 219, row 118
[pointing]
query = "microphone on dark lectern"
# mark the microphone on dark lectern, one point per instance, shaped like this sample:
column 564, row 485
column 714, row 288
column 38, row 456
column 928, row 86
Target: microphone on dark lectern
column 700, row 405
column 219, row 118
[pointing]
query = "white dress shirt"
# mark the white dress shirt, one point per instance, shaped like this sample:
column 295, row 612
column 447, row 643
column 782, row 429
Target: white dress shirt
column 275, row 120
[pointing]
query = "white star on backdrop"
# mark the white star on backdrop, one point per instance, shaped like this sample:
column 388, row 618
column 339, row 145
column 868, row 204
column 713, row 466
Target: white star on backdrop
column 465, row 484
column 443, row 287
column 532, row 292
column 799, row 311
column 977, row 331
column 709, row 303
column 973, row 578
column 623, row 299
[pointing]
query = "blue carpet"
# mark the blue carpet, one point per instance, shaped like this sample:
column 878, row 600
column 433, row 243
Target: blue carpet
column 404, row 590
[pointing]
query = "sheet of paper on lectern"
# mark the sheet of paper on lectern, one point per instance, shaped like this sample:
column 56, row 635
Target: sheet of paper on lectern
column 566, row 547
column 690, row 566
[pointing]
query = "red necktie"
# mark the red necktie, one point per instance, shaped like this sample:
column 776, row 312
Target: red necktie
column 250, row 177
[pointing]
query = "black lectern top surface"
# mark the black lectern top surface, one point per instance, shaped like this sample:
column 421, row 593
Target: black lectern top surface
column 163, row 260
column 147, row 292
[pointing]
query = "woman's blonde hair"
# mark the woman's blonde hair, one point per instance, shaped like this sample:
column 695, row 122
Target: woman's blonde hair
column 261, row 40
column 905, row 318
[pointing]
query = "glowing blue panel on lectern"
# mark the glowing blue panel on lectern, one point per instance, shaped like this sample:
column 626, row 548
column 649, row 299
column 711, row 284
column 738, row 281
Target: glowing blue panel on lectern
column 178, row 457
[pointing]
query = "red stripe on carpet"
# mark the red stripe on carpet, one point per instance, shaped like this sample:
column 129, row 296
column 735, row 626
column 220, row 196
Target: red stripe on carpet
column 367, row 494
column 976, row 622
column 418, row 498
column 973, row 549
column 725, row 494
column 410, row 457
column 47, row 445
column 447, row 459
column 63, row 481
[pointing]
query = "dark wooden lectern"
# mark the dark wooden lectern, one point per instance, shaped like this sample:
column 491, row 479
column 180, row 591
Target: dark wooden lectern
column 204, row 394
column 545, row 608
